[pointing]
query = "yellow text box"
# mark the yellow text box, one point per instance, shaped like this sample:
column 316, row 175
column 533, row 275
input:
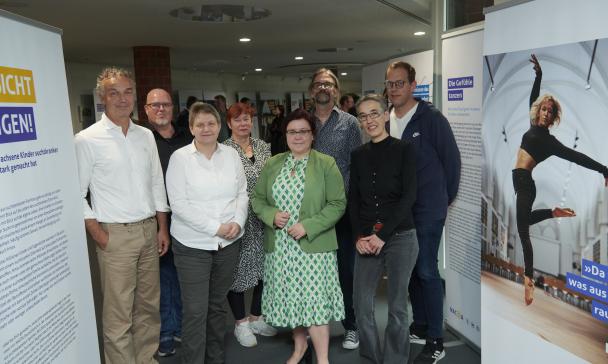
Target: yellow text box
column 17, row 85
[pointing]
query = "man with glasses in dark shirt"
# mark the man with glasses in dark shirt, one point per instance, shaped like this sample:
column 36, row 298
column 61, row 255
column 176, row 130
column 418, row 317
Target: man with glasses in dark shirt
column 438, row 176
column 337, row 135
column 169, row 137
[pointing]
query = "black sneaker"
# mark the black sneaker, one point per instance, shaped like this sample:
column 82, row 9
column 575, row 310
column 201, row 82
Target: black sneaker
column 166, row 348
column 164, row 354
column 417, row 334
column 431, row 353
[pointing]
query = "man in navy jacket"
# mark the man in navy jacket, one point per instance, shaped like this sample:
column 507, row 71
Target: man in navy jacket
column 438, row 176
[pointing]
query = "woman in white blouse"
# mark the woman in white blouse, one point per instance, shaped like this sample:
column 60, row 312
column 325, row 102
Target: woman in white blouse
column 207, row 191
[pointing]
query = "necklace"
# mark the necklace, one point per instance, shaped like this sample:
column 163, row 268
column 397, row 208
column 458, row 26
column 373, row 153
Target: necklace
column 247, row 149
column 292, row 172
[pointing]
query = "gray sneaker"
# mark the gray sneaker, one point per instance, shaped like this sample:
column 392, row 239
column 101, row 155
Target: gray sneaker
column 351, row 340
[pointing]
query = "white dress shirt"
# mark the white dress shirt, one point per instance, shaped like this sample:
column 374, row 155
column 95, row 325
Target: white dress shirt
column 205, row 193
column 398, row 124
column 122, row 172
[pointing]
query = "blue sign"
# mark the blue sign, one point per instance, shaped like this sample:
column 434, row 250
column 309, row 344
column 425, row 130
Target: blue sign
column 587, row 287
column 455, row 95
column 422, row 92
column 599, row 311
column 17, row 124
column 460, row 82
column 595, row 270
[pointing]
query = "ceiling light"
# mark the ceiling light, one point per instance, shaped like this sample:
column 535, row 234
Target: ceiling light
column 419, row 34
column 258, row 70
column 298, row 58
column 245, row 40
column 215, row 13
column 343, row 74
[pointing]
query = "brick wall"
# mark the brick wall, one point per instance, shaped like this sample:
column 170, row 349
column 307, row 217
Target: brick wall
column 152, row 67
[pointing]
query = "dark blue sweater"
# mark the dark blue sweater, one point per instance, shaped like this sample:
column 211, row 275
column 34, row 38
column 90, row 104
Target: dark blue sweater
column 437, row 162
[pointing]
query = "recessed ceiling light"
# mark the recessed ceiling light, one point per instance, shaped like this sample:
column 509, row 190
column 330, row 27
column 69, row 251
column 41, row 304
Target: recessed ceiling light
column 245, row 40
column 298, row 58
column 258, row 70
column 343, row 74
column 225, row 13
column 419, row 33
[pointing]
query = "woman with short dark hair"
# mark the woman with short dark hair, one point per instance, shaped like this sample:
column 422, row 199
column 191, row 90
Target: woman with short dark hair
column 381, row 195
column 300, row 197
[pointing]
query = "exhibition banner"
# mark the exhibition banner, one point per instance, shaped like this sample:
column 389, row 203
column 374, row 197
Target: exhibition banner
column 566, row 254
column 46, row 302
column 544, row 201
column 462, row 90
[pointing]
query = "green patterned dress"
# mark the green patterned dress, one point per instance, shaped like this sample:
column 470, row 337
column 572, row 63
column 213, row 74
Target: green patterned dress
column 300, row 289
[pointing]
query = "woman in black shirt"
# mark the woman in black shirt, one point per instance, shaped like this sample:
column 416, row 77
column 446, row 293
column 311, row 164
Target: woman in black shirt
column 536, row 146
column 381, row 195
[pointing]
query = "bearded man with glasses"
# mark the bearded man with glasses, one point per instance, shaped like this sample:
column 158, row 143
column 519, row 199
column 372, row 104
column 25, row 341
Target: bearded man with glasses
column 338, row 134
column 438, row 175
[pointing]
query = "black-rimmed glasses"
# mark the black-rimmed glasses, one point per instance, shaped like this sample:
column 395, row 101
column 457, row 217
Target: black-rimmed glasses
column 372, row 115
column 302, row 132
column 157, row 105
column 325, row 85
column 394, row 84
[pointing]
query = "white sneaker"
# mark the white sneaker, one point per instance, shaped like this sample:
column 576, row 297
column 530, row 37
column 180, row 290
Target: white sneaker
column 351, row 340
column 244, row 335
column 260, row 327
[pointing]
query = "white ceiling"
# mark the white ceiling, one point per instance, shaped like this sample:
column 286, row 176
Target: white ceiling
column 104, row 32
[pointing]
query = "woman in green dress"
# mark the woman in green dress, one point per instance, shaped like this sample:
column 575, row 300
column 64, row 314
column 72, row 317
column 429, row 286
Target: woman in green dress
column 300, row 197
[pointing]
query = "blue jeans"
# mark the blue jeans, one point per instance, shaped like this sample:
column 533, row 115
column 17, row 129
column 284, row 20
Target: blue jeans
column 170, row 299
column 426, row 289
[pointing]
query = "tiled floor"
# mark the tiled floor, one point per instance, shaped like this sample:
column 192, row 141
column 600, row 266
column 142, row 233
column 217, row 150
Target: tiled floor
column 275, row 350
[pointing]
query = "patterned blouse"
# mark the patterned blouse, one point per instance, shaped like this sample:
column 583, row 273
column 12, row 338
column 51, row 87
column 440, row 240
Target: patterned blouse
column 250, row 268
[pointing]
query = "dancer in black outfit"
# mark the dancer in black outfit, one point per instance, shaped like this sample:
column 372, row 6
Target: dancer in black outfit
column 536, row 146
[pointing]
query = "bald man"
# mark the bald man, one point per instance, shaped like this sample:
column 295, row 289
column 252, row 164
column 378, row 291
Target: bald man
column 169, row 138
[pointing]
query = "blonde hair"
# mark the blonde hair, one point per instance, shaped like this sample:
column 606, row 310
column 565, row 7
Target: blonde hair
column 535, row 108
column 109, row 73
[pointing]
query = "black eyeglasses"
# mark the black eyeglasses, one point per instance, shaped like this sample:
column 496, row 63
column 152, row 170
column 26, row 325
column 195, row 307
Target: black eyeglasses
column 302, row 132
column 394, row 84
column 157, row 105
column 372, row 115
column 326, row 85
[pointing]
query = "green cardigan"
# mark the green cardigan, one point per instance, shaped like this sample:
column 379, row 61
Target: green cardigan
column 323, row 203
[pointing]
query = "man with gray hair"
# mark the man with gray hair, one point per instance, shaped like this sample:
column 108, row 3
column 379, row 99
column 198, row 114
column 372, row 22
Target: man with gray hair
column 118, row 164
column 337, row 135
